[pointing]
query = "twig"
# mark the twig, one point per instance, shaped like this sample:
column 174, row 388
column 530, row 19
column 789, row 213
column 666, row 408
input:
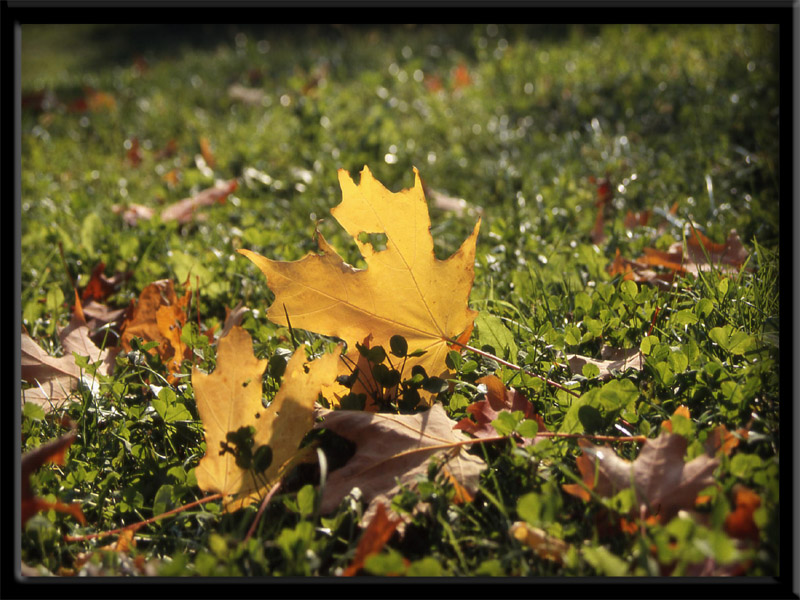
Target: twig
column 515, row 367
column 135, row 526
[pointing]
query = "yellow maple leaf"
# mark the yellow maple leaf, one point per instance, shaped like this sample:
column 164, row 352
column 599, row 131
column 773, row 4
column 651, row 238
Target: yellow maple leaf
column 405, row 290
column 229, row 403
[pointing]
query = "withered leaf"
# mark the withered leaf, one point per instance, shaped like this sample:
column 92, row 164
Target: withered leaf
column 663, row 482
column 391, row 450
column 612, row 359
column 55, row 378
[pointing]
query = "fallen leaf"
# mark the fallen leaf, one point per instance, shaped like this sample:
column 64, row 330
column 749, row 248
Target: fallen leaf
column 208, row 154
column 53, row 451
column 497, row 400
column 158, row 316
column 543, row 544
column 663, row 482
column 254, row 96
column 229, row 400
column 461, row 77
column 392, row 450
column 405, row 290
column 372, row 541
column 57, row 377
column 612, row 359
column 101, row 287
column 700, row 254
column 133, row 213
column 740, row 523
column 183, row 210
column 134, row 153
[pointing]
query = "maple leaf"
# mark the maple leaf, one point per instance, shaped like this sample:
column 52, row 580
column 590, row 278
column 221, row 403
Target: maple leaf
column 229, row 404
column 392, row 450
column 52, row 451
column 497, row 400
column 663, row 482
column 405, row 290
column 57, row 377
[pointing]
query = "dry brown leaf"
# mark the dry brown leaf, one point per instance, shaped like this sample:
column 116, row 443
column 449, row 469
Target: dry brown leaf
column 391, row 450
column 56, row 378
column 405, row 290
column 613, row 359
column 663, row 482
column 230, row 399
column 183, row 210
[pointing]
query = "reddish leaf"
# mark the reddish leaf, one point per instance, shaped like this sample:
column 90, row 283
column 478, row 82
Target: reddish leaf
column 497, row 400
column 53, row 451
column 134, row 154
column 101, row 287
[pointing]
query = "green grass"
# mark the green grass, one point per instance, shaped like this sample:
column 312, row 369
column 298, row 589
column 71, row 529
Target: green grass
column 662, row 111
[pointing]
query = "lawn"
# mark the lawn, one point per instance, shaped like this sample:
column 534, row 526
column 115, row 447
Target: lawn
column 626, row 295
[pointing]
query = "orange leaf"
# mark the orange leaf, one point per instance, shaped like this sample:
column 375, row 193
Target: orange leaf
column 740, row 523
column 157, row 317
column 374, row 538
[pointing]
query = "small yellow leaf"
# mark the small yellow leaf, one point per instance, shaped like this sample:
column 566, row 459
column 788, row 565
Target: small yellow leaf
column 229, row 399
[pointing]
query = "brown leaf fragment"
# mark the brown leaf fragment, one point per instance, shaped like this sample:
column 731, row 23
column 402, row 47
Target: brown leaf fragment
column 663, row 482
column 247, row 95
column 133, row 213
column 53, row 451
column 233, row 318
column 543, row 544
column 372, row 541
column 183, row 210
column 101, row 287
column 392, row 450
column 613, row 359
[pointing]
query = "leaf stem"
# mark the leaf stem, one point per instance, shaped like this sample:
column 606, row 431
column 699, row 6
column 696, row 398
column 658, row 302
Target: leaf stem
column 515, row 367
column 261, row 509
